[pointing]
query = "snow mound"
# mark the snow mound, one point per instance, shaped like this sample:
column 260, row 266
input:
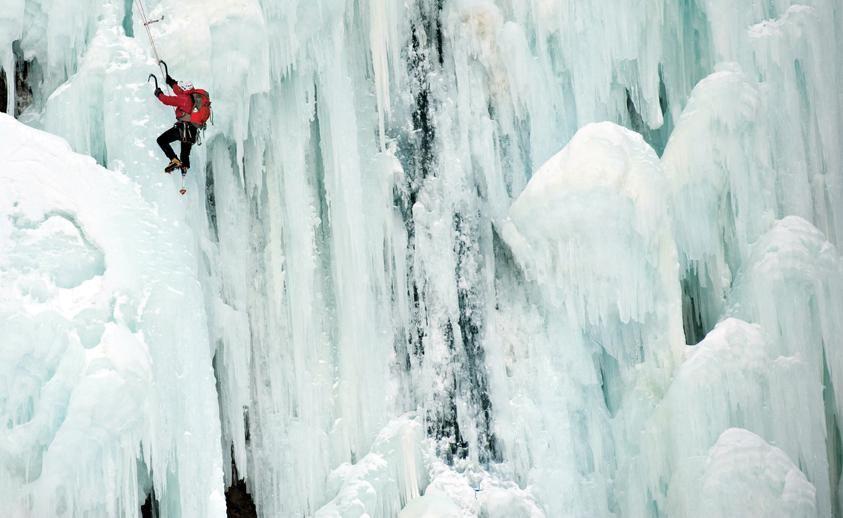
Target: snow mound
column 401, row 476
column 93, row 338
column 591, row 228
column 735, row 378
column 745, row 476
column 431, row 506
column 390, row 475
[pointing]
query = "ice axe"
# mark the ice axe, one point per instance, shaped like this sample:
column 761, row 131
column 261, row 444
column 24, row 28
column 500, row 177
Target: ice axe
column 154, row 78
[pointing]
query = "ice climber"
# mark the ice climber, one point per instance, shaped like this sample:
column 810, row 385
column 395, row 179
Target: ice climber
column 193, row 109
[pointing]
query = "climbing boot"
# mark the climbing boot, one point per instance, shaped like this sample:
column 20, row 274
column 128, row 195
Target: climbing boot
column 184, row 169
column 173, row 165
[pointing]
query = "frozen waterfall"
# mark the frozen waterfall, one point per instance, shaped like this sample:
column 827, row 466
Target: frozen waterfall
column 437, row 258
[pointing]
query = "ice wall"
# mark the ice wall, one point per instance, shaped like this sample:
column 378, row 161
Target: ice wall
column 416, row 301
column 96, row 340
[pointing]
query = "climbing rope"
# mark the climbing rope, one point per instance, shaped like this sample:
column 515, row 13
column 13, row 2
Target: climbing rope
column 146, row 24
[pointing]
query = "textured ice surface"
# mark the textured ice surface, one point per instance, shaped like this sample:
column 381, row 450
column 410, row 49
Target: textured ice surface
column 735, row 378
column 439, row 256
column 96, row 338
column 743, row 475
column 593, row 239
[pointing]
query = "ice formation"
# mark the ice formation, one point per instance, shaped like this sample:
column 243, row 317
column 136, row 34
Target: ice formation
column 743, row 475
column 97, row 337
column 437, row 258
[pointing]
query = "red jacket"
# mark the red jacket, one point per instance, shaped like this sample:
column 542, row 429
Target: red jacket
column 182, row 101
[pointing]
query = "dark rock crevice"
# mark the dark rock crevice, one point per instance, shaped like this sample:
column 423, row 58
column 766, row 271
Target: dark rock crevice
column 238, row 500
column 27, row 73
column 4, row 92
column 656, row 137
column 22, row 77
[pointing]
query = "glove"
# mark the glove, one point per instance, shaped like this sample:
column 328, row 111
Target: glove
column 170, row 81
column 158, row 92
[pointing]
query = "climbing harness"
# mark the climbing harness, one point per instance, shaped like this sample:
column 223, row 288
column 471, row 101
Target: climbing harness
column 188, row 132
column 146, row 24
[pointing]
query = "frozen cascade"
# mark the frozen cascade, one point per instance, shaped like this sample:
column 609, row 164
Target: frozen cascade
column 608, row 331
column 428, row 264
column 737, row 154
column 96, row 340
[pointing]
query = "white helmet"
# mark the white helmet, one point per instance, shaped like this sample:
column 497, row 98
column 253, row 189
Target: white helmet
column 185, row 85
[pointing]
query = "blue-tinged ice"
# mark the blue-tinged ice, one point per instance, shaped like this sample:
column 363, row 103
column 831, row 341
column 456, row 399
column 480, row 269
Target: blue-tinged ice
column 437, row 258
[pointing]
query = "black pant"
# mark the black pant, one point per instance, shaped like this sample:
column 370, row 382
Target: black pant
column 184, row 132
